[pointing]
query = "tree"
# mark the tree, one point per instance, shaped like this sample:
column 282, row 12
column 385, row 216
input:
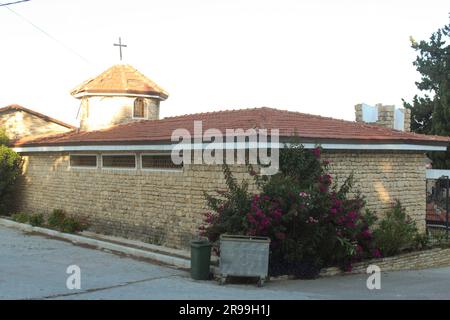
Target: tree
column 430, row 113
column 10, row 169
column 3, row 137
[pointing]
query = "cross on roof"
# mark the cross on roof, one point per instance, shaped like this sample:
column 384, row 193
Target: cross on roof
column 120, row 45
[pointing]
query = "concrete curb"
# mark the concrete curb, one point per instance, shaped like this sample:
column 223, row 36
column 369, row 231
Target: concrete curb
column 77, row 239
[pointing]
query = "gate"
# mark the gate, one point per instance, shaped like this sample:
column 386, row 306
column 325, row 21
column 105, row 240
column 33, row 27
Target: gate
column 437, row 215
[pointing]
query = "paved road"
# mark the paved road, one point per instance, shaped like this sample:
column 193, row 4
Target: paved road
column 34, row 267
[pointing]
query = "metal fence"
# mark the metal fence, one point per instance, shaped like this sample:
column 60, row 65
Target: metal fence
column 437, row 215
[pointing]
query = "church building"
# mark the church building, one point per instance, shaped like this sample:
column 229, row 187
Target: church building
column 116, row 172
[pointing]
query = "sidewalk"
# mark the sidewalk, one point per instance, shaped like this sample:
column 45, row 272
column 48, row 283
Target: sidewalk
column 131, row 248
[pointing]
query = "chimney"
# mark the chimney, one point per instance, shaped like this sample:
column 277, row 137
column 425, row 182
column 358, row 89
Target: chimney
column 384, row 115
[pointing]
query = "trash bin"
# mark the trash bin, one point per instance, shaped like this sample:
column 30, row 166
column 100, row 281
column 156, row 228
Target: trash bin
column 200, row 259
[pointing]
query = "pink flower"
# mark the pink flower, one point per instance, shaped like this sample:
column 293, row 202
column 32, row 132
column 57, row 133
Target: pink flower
column 359, row 249
column 340, row 220
column 337, row 203
column 366, row 234
column 376, row 253
column 352, row 215
column 316, row 152
column 350, row 225
column 333, row 211
column 312, row 220
column 303, row 194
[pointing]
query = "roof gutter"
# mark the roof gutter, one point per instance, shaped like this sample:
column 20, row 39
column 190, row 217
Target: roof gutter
column 227, row 146
column 106, row 94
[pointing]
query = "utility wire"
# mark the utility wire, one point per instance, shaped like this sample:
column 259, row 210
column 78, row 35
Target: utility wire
column 9, row 3
column 48, row 35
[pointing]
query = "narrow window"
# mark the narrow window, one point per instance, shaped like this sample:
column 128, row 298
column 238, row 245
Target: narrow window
column 159, row 162
column 139, row 108
column 119, row 161
column 88, row 161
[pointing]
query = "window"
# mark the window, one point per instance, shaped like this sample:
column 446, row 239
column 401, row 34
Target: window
column 121, row 161
column 157, row 161
column 86, row 161
column 139, row 108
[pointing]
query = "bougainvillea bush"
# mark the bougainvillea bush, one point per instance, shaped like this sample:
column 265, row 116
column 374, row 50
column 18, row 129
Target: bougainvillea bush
column 311, row 222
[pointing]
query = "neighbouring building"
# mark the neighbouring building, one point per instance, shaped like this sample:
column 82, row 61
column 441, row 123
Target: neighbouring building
column 121, row 179
column 20, row 122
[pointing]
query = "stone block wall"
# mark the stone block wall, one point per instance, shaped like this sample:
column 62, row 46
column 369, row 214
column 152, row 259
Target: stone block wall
column 167, row 207
column 20, row 124
column 383, row 177
column 432, row 258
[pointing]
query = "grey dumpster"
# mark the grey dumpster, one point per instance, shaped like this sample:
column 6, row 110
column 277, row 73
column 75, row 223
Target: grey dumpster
column 244, row 256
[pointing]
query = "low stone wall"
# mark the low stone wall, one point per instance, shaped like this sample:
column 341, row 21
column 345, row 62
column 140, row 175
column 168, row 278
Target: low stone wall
column 417, row 260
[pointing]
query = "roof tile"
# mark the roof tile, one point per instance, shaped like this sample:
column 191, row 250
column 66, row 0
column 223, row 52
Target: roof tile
column 120, row 79
column 308, row 127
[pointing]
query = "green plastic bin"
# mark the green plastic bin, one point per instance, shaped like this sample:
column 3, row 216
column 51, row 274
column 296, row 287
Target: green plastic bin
column 200, row 259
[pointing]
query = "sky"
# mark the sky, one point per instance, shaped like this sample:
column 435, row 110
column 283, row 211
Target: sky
column 320, row 57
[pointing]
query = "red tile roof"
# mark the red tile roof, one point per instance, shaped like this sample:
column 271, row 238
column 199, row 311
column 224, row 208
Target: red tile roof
column 16, row 107
column 120, row 79
column 308, row 127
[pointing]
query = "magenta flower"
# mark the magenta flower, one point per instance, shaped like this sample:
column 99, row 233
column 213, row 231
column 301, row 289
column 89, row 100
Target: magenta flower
column 303, row 194
column 352, row 215
column 376, row 253
column 366, row 234
column 316, row 152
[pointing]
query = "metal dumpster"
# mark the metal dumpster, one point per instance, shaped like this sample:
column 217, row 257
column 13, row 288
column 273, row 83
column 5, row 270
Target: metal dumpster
column 244, row 256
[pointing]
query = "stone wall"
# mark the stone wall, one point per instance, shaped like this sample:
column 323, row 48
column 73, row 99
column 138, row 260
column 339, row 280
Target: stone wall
column 19, row 124
column 417, row 260
column 383, row 177
column 166, row 207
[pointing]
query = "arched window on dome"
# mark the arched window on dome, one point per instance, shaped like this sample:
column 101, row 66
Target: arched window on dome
column 139, row 108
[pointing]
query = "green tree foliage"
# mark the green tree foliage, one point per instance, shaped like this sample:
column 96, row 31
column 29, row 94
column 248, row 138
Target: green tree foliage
column 430, row 113
column 3, row 137
column 10, row 169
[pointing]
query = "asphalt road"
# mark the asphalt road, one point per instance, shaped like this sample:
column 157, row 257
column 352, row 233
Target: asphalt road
column 34, row 267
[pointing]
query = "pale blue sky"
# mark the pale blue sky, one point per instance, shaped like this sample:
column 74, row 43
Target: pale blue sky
column 320, row 57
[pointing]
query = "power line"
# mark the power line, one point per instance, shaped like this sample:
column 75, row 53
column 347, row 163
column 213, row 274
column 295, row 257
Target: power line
column 48, row 34
column 10, row 3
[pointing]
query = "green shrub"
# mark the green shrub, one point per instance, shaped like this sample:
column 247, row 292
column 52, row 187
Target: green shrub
column 21, row 217
column 10, row 169
column 71, row 225
column 60, row 221
column 36, row 220
column 56, row 219
column 396, row 232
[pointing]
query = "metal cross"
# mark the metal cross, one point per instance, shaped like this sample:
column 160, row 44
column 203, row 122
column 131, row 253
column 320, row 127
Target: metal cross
column 120, row 45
